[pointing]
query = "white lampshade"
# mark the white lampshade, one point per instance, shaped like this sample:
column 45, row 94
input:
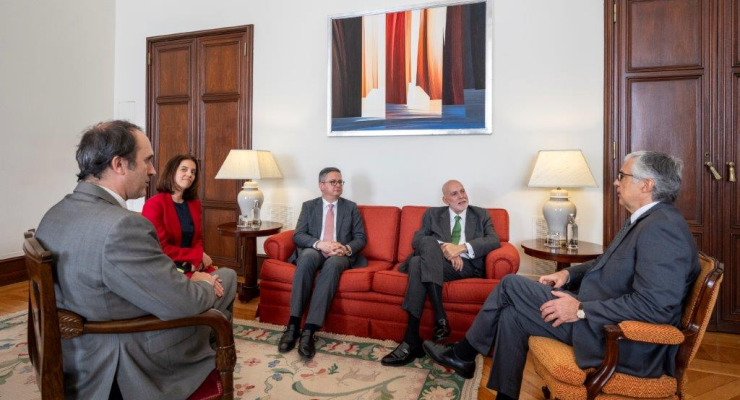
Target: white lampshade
column 560, row 169
column 249, row 164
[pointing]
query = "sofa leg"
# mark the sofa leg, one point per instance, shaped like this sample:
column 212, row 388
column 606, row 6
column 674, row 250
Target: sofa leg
column 546, row 392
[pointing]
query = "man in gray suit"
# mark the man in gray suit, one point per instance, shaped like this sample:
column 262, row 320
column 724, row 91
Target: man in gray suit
column 644, row 275
column 329, row 236
column 452, row 244
column 109, row 266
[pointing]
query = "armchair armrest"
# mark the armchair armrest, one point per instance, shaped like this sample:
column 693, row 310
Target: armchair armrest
column 651, row 333
column 72, row 325
column 502, row 261
column 280, row 246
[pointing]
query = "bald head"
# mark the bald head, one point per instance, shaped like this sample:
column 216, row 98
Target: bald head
column 455, row 196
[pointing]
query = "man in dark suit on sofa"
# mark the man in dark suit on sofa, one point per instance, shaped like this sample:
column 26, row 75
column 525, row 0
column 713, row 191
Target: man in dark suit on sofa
column 329, row 236
column 644, row 275
column 452, row 244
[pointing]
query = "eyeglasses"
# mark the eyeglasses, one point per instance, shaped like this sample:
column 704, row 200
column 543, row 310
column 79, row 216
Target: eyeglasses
column 621, row 175
column 334, row 182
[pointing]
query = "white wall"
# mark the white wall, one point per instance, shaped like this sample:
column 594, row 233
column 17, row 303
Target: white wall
column 56, row 78
column 548, row 94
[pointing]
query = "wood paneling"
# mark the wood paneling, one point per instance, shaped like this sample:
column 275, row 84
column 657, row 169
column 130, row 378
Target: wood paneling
column 665, row 34
column 12, row 270
column 221, row 64
column 174, row 60
column 219, row 123
column 222, row 249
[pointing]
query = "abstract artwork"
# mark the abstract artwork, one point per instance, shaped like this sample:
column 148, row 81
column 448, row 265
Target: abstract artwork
column 417, row 71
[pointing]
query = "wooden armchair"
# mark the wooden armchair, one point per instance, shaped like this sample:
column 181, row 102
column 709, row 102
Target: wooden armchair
column 48, row 326
column 555, row 362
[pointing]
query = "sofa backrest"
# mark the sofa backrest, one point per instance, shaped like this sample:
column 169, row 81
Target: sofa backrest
column 411, row 217
column 381, row 228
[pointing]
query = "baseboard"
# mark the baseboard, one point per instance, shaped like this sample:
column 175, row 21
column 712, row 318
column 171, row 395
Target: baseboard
column 12, row 270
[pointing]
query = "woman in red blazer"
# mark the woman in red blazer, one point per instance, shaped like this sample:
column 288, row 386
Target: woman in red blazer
column 175, row 214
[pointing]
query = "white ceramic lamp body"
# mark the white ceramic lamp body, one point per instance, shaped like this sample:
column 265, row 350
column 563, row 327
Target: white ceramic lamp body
column 246, row 197
column 557, row 211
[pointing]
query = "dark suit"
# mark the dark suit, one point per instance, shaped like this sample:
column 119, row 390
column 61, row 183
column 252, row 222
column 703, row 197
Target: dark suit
column 428, row 264
column 643, row 276
column 350, row 231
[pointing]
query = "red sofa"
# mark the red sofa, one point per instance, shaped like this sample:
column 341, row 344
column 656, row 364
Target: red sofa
column 368, row 300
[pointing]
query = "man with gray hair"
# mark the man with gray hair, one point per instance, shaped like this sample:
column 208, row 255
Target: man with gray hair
column 329, row 236
column 644, row 275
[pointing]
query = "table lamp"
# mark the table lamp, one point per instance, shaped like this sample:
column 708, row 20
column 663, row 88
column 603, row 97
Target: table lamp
column 560, row 169
column 249, row 164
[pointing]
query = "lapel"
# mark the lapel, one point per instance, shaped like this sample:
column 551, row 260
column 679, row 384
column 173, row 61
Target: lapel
column 444, row 222
column 318, row 216
column 615, row 244
column 172, row 226
column 339, row 216
column 471, row 222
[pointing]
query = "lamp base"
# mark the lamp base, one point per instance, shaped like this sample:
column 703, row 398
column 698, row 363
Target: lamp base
column 556, row 212
column 246, row 198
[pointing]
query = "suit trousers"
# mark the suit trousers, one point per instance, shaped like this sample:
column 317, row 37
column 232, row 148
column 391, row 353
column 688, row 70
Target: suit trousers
column 430, row 266
column 510, row 315
column 307, row 264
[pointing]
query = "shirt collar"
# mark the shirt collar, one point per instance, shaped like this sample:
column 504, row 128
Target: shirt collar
column 642, row 210
column 326, row 203
column 462, row 214
column 115, row 195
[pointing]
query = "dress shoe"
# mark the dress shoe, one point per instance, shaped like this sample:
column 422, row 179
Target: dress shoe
column 441, row 330
column 306, row 346
column 443, row 354
column 287, row 341
column 402, row 355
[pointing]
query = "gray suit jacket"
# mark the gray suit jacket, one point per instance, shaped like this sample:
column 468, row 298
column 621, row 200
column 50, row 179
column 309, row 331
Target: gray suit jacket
column 109, row 266
column 646, row 278
column 350, row 228
column 479, row 233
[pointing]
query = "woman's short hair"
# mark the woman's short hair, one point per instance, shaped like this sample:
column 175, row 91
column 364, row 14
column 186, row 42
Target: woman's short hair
column 166, row 182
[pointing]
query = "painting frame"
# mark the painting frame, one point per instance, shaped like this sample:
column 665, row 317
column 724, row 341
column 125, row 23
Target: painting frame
column 480, row 121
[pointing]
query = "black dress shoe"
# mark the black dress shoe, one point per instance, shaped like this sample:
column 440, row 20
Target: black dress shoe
column 441, row 330
column 402, row 355
column 306, row 346
column 287, row 341
column 444, row 355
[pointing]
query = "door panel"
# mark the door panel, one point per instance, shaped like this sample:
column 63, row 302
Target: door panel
column 173, row 129
column 220, row 123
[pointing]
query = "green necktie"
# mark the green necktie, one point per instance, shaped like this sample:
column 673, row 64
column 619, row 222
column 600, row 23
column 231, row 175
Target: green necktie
column 456, row 230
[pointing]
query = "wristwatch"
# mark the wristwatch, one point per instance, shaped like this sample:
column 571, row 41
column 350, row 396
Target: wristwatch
column 580, row 313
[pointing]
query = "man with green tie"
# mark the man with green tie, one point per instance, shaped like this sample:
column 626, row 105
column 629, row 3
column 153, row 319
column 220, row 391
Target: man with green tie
column 452, row 244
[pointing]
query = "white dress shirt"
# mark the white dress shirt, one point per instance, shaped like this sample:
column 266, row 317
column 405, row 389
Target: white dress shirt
column 116, row 196
column 470, row 254
column 325, row 209
column 642, row 210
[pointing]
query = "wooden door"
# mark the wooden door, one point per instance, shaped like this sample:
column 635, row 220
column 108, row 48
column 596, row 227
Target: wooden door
column 729, row 210
column 662, row 93
column 199, row 101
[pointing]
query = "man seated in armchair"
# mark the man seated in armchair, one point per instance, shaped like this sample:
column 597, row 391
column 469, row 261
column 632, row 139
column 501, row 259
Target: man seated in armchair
column 644, row 275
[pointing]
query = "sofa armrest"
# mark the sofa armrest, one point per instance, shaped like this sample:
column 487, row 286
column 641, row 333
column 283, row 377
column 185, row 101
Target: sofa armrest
column 502, row 261
column 280, row 246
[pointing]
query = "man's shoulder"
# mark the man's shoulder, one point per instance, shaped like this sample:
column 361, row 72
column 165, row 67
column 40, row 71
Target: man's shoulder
column 437, row 210
column 346, row 202
column 480, row 211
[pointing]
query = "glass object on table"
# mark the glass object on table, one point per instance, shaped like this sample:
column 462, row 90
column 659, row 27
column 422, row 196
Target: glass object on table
column 553, row 239
column 571, row 235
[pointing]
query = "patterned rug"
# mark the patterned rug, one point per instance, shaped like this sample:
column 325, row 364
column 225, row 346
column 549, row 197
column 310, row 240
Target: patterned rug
column 345, row 367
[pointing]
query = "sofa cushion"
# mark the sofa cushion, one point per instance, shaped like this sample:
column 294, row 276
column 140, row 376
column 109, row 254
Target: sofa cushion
column 472, row 290
column 381, row 227
column 411, row 217
column 353, row 280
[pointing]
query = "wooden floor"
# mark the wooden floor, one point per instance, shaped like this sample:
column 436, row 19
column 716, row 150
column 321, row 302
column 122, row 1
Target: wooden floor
column 714, row 373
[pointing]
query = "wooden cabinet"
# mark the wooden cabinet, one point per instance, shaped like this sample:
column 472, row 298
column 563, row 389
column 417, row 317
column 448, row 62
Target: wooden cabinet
column 671, row 84
column 199, row 101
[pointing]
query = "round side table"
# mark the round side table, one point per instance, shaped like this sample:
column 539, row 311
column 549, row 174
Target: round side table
column 563, row 257
column 247, row 245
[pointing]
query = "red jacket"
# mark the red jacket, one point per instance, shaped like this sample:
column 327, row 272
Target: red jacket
column 160, row 210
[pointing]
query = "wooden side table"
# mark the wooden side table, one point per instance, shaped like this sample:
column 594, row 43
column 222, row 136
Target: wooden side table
column 562, row 256
column 247, row 242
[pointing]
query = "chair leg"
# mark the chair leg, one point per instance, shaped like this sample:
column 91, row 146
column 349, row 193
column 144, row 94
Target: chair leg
column 546, row 392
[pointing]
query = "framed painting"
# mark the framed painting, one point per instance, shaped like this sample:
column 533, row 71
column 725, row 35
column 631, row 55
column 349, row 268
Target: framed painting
column 422, row 70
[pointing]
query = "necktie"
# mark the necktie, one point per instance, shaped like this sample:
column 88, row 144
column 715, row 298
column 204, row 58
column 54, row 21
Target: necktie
column 456, row 230
column 329, row 226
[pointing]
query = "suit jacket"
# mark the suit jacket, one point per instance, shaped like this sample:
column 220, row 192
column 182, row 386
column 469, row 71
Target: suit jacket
column 479, row 232
column 160, row 211
column 350, row 228
column 646, row 278
column 109, row 266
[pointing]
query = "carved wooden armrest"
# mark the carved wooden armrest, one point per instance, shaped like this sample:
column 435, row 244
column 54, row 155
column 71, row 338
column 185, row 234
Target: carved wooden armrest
column 651, row 333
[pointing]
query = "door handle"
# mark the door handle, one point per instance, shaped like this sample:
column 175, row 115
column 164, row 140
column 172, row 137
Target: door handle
column 732, row 171
column 713, row 170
